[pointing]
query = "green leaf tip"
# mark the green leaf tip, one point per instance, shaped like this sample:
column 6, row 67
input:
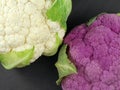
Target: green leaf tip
column 64, row 66
column 118, row 14
column 60, row 11
column 16, row 59
column 91, row 21
column 94, row 18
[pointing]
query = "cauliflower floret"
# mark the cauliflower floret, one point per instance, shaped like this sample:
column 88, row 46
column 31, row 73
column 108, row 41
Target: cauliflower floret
column 24, row 25
column 95, row 51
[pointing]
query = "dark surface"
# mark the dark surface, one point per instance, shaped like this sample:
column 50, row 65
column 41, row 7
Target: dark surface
column 42, row 74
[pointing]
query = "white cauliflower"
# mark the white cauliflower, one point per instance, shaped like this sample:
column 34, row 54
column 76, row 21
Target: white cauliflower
column 31, row 28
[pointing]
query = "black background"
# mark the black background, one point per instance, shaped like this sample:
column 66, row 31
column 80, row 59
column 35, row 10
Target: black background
column 42, row 74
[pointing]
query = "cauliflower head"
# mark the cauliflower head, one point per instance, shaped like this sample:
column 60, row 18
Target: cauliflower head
column 31, row 28
column 90, row 56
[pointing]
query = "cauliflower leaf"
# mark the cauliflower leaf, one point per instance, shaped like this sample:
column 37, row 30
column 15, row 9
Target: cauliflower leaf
column 93, row 19
column 64, row 65
column 16, row 59
column 60, row 11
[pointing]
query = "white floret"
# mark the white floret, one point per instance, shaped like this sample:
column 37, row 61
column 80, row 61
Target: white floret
column 23, row 24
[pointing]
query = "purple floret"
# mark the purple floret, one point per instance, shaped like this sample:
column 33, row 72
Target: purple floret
column 95, row 51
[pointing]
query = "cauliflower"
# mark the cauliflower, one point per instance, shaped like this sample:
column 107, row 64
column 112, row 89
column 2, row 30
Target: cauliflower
column 90, row 56
column 31, row 28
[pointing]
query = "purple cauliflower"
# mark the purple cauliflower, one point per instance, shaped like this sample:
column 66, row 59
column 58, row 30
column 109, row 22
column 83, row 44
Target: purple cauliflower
column 90, row 56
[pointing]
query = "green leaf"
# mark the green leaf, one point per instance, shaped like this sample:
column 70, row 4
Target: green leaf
column 60, row 11
column 91, row 21
column 94, row 18
column 64, row 66
column 54, row 49
column 16, row 59
column 118, row 14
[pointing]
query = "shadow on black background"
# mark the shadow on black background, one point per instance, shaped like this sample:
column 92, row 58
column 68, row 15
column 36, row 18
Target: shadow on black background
column 42, row 74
